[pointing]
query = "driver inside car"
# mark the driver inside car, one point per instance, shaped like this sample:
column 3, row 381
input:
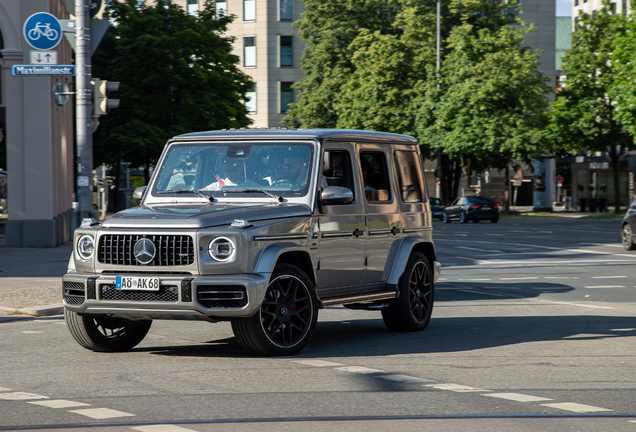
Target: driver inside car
column 235, row 175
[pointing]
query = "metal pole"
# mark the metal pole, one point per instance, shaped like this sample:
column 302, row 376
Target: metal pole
column 438, row 190
column 83, row 101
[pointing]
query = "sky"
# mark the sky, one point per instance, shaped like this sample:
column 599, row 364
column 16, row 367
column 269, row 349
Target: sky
column 563, row 8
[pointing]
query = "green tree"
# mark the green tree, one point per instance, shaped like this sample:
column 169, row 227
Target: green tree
column 585, row 115
column 328, row 28
column 492, row 102
column 177, row 75
column 622, row 90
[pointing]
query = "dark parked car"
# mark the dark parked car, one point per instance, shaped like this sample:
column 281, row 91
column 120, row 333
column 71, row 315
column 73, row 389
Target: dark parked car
column 628, row 227
column 471, row 208
column 437, row 208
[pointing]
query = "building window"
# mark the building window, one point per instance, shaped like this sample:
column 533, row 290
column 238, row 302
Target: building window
column 286, row 51
column 221, row 8
column 249, row 10
column 249, row 51
column 250, row 99
column 576, row 2
column 613, row 7
column 286, row 10
column 286, row 95
column 624, row 10
column 193, row 7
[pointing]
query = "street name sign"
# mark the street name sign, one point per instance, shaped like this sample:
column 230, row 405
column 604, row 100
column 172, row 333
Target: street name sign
column 36, row 70
column 42, row 31
column 43, row 57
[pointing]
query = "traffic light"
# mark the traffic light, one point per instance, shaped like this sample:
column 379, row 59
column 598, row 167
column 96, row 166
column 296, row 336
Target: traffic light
column 101, row 103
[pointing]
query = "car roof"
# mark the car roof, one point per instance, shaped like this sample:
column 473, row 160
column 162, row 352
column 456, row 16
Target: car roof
column 300, row 134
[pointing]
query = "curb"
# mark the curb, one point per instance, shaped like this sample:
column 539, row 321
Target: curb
column 36, row 311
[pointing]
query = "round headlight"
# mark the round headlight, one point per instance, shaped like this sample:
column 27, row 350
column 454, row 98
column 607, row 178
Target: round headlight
column 85, row 247
column 222, row 249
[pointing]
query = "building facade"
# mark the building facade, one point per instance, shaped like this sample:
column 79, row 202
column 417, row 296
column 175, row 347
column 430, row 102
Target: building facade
column 269, row 49
column 38, row 134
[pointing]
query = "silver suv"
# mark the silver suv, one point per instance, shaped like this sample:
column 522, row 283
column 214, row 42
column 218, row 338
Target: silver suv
column 261, row 228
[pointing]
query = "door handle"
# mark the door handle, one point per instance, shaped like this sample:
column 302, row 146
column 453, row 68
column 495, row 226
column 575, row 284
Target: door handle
column 357, row 233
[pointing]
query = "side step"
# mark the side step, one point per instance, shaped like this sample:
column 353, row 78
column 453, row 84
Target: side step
column 365, row 298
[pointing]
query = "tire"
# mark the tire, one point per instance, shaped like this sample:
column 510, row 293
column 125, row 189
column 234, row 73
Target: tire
column 626, row 234
column 463, row 218
column 495, row 220
column 287, row 318
column 446, row 219
column 475, row 220
column 105, row 334
column 412, row 309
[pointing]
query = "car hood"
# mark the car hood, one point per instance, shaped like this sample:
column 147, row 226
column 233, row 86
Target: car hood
column 201, row 216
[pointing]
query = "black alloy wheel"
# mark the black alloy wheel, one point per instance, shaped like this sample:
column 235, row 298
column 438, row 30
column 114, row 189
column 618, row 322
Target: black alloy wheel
column 413, row 308
column 445, row 218
column 462, row 217
column 286, row 319
column 106, row 334
column 626, row 234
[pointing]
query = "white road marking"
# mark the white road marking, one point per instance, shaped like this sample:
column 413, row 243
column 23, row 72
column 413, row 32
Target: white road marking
column 481, row 292
column 608, row 277
column 31, row 332
column 59, row 403
column 2, row 389
column 520, row 278
column 162, row 428
column 572, row 304
column 628, row 329
column 478, row 250
column 587, row 336
column 359, row 369
column 101, row 413
column 605, row 286
column 318, row 363
column 473, row 280
column 560, row 277
column 403, row 378
column 456, row 388
column 517, row 397
column 21, row 396
column 575, row 407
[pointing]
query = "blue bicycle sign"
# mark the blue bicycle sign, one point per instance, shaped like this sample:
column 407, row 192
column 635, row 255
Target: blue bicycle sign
column 42, row 31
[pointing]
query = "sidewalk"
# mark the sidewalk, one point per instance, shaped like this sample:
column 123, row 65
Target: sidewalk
column 31, row 280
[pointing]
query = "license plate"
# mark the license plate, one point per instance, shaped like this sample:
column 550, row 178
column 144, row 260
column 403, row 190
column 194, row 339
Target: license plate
column 485, row 208
column 137, row 283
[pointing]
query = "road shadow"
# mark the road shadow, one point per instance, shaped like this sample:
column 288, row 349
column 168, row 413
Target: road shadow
column 471, row 291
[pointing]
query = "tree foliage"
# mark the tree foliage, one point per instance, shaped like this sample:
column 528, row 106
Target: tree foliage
column 177, row 75
column 586, row 114
column 491, row 100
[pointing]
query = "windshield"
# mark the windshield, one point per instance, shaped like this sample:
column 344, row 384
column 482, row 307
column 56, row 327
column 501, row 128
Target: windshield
column 218, row 169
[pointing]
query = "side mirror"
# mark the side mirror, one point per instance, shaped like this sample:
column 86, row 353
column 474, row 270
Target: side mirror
column 138, row 194
column 337, row 195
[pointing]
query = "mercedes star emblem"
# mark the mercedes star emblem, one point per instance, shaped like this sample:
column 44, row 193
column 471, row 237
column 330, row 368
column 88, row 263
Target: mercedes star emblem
column 145, row 251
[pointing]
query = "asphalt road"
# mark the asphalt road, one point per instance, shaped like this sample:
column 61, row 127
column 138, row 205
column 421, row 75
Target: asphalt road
column 534, row 329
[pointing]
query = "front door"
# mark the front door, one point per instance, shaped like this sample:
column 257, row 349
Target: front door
column 341, row 229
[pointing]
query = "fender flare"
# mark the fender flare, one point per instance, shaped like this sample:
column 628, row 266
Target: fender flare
column 270, row 255
column 404, row 252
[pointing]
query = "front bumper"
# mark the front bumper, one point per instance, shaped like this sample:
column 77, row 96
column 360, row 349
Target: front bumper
column 207, row 298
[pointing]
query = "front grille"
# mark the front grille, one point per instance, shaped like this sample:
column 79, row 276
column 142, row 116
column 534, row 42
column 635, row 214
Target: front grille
column 73, row 293
column 222, row 296
column 166, row 293
column 172, row 250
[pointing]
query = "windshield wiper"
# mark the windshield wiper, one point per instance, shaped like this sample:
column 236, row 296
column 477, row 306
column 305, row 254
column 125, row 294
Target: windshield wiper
column 269, row 194
column 192, row 191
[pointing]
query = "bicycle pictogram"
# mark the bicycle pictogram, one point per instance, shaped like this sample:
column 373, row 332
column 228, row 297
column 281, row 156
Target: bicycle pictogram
column 42, row 29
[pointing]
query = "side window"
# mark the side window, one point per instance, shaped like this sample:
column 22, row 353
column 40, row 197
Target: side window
column 374, row 176
column 337, row 170
column 409, row 175
column 461, row 201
